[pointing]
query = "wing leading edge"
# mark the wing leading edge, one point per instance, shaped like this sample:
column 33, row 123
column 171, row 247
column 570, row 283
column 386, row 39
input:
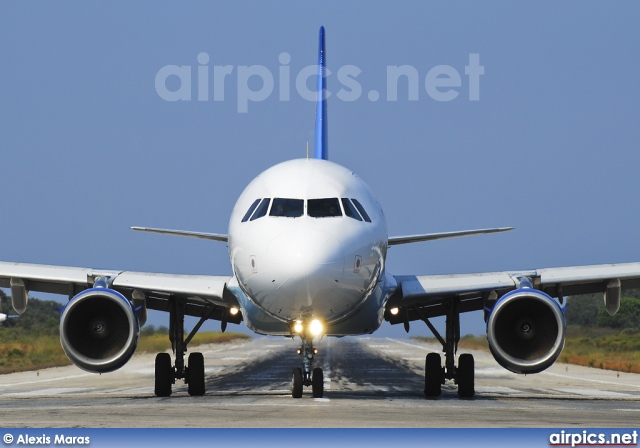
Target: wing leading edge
column 395, row 240
column 201, row 235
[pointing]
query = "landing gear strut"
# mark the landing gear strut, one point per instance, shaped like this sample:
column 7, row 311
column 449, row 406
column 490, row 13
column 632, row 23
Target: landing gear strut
column 435, row 374
column 305, row 376
column 167, row 374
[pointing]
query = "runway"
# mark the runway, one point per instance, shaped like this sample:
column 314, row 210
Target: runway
column 369, row 382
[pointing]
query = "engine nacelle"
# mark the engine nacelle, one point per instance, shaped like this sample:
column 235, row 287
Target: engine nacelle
column 99, row 330
column 526, row 331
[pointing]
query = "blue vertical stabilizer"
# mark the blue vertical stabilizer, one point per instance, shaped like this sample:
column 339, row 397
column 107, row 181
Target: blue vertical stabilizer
column 321, row 149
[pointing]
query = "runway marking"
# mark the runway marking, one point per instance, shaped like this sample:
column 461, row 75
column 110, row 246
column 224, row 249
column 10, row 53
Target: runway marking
column 137, row 391
column 319, row 401
column 405, row 343
column 38, row 381
column 499, row 390
column 52, row 391
column 592, row 392
column 589, row 379
column 495, row 372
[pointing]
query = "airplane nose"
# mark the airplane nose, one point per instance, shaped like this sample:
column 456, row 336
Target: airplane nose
column 305, row 266
column 305, row 253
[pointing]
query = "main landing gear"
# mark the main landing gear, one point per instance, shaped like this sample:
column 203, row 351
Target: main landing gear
column 167, row 374
column 304, row 376
column 435, row 375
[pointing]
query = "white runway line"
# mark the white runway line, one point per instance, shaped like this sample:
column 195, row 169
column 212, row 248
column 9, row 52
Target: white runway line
column 582, row 378
column 405, row 343
column 52, row 391
column 37, row 380
column 499, row 390
column 591, row 392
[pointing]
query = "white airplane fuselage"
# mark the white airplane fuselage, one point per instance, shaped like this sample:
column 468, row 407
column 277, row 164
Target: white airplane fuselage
column 308, row 240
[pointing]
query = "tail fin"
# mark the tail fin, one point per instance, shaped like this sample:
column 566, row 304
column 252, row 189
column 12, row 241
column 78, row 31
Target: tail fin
column 321, row 149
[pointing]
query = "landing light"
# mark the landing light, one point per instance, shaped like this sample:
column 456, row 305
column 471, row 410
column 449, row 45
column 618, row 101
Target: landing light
column 316, row 328
column 233, row 310
column 394, row 311
column 297, row 327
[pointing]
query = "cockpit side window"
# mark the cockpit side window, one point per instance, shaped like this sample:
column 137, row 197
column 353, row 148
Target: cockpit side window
column 349, row 209
column 251, row 209
column 262, row 209
column 361, row 210
column 289, row 208
column 323, row 208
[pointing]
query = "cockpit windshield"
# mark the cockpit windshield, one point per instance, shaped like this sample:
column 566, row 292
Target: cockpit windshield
column 250, row 211
column 323, row 208
column 289, row 208
column 262, row 209
column 350, row 210
column 316, row 208
column 361, row 210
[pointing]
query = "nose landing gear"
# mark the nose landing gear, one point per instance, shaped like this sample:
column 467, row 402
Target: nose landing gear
column 305, row 376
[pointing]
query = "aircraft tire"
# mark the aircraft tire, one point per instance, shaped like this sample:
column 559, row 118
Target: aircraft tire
column 465, row 374
column 317, row 383
column 163, row 375
column 296, row 383
column 433, row 375
column 196, row 375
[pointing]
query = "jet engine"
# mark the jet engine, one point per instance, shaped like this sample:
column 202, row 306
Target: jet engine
column 99, row 330
column 526, row 331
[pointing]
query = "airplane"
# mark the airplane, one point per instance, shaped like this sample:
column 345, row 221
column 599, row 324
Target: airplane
column 308, row 243
column 4, row 317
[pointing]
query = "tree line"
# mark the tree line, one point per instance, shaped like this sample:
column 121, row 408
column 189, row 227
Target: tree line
column 589, row 311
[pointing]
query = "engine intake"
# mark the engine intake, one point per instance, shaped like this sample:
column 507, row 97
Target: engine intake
column 99, row 330
column 526, row 331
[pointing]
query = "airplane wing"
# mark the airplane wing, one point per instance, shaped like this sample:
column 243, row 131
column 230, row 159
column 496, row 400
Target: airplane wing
column 203, row 294
column 395, row 240
column 187, row 233
column 428, row 295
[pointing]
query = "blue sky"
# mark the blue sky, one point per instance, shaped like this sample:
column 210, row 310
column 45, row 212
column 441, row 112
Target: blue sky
column 89, row 148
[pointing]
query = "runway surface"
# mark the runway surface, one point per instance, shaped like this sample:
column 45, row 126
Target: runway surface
column 369, row 382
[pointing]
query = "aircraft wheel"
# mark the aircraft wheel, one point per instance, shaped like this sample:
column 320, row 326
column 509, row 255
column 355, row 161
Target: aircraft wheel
column 196, row 374
column 296, row 383
column 317, row 383
column 433, row 375
column 465, row 376
column 164, row 375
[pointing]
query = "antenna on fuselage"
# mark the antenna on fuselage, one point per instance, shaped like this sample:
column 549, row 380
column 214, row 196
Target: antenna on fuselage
column 321, row 149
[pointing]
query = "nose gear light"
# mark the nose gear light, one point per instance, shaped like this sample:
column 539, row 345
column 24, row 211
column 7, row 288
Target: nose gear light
column 316, row 328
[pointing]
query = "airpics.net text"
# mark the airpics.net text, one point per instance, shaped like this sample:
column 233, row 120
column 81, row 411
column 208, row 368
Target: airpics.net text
column 255, row 83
